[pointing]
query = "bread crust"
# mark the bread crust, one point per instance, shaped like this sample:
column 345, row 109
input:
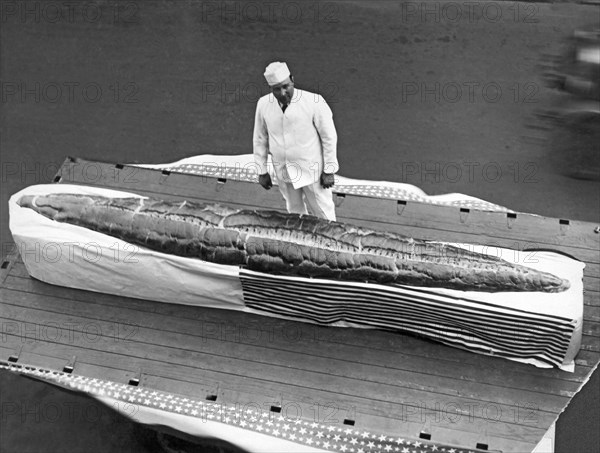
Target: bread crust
column 290, row 244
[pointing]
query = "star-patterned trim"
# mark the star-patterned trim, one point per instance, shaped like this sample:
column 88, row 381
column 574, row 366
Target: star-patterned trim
column 328, row 437
column 368, row 190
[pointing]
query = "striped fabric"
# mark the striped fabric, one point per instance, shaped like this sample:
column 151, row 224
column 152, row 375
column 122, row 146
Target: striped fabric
column 461, row 322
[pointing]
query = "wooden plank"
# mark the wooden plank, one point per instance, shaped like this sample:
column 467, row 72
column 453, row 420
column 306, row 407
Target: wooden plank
column 380, row 375
column 154, row 376
column 591, row 329
column 311, row 409
column 592, row 313
column 403, row 411
column 213, row 321
column 590, row 300
column 319, row 410
column 587, row 359
column 8, row 263
column 218, row 357
column 522, row 232
column 591, row 281
column 590, row 343
column 27, row 357
column 275, row 351
column 386, row 341
column 49, row 326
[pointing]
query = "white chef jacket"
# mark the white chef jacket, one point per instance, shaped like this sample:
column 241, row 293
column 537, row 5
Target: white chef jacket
column 302, row 141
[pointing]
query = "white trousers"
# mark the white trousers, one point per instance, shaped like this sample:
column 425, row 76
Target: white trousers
column 312, row 199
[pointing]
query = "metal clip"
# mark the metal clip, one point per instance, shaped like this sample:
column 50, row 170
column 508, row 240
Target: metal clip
column 163, row 176
column 275, row 408
column 14, row 358
column 70, row 366
column 400, row 206
column 511, row 217
column 338, row 199
column 220, row 184
column 134, row 381
column 483, row 444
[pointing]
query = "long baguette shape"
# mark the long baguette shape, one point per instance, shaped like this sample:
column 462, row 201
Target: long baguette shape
column 290, row 244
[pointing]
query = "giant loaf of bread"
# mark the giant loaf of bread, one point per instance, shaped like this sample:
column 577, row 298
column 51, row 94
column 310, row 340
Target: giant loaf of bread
column 290, row 244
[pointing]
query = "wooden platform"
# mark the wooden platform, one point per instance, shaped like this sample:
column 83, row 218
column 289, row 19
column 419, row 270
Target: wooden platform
column 384, row 382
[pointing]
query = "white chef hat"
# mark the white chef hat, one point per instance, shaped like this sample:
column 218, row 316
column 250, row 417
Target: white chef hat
column 276, row 73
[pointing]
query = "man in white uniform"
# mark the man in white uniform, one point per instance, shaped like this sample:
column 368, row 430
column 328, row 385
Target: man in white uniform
column 296, row 128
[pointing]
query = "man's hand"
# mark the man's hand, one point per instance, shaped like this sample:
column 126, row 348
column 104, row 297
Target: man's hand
column 265, row 181
column 327, row 180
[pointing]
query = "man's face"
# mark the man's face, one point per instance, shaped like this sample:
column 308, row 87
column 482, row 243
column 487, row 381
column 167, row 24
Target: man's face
column 284, row 91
